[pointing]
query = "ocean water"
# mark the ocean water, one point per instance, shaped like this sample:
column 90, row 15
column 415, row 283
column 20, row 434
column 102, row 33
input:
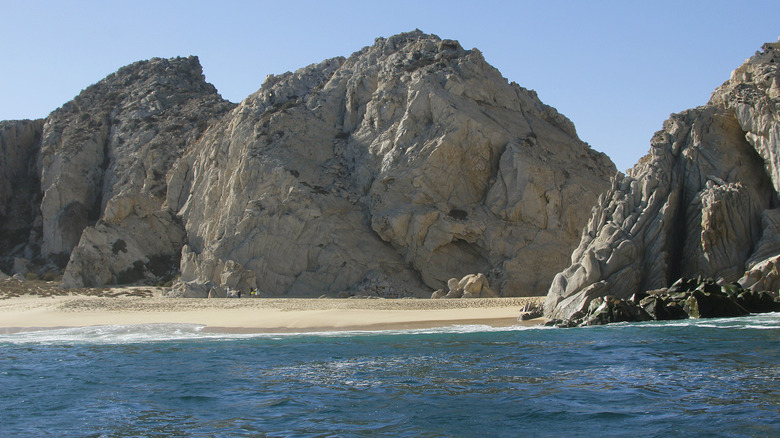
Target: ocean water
column 685, row 378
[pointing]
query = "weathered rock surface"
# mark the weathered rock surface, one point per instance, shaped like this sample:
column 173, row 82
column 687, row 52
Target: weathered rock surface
column 686, row 298
column 387, row 173
column 530, row 311
column 700, row 203
column 104, row 160
column 19, row 187
column 470, row 286
column 412, row 161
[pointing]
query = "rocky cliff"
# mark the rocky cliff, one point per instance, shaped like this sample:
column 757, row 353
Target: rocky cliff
column 390, row 172
column 101, row 166
column 20, row 194
column 409, row 163
column 701, row 203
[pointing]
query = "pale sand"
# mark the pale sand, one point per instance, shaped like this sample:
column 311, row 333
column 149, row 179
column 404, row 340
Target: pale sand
column 27, row 312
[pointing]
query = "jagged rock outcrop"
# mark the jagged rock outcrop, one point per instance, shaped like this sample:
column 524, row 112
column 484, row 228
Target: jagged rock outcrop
column 385, row 174
column 701, row 203
column 104, row 159
column 19, row 187
column 686, row 298
column 410, row 162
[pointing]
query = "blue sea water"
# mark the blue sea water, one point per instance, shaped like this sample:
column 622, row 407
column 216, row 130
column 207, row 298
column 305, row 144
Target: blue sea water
column 686, row 378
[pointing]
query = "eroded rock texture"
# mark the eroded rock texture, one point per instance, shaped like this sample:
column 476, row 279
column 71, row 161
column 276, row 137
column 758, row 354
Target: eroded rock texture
column 409, row 163
column 104, row 159
column 19, row 188
column 387, row 173
column 701, row 203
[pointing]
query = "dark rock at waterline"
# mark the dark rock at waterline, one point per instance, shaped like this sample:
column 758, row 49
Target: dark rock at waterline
column 610, row 309
column 712, row 305
column 756, row 302
column 530, row 311
column 703, row 201
column 686, row 298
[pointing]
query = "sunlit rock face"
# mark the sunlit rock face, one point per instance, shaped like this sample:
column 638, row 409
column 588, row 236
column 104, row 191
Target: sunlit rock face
column 387, row 173
column 104, row 160
column 411, row 162
column 701, row 203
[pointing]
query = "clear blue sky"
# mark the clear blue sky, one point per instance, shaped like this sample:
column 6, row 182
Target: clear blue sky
column 617, row 69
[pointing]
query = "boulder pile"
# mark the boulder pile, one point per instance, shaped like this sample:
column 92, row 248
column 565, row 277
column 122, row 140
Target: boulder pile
column 470, row 286
column 686, row 298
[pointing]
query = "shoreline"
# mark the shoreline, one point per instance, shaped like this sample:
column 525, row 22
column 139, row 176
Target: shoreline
column 27, row 313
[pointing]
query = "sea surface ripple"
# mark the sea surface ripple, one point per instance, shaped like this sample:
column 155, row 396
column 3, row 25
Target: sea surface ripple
column 717, row 377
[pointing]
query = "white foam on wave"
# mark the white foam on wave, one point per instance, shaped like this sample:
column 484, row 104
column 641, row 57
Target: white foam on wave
column 760, row 321
column 148, row 333
column 106, row 334
column 452, row 329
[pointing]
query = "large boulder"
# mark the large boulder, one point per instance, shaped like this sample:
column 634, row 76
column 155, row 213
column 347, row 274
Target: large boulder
column 476, row 286
column 700, row 203
column 412, row 160
column 470, row 286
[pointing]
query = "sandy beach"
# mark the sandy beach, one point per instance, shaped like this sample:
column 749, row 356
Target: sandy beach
column 49, row 308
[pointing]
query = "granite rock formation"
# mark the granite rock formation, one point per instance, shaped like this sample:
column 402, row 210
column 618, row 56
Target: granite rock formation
column 387, row 173
column 19, row 188
column 102, row 162
column 686, row 298
column 470, row 286
column 410, row 162
column 701, row 203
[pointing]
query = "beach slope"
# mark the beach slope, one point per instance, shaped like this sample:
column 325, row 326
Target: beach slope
column 22, row 312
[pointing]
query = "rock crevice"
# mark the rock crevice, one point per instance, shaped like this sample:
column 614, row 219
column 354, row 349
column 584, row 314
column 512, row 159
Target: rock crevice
column 391, row 171
column 403, row 159
column 20, row 192
column 701, row 203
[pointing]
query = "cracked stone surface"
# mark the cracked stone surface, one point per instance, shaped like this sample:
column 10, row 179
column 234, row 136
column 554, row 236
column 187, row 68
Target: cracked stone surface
column 701, row 203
